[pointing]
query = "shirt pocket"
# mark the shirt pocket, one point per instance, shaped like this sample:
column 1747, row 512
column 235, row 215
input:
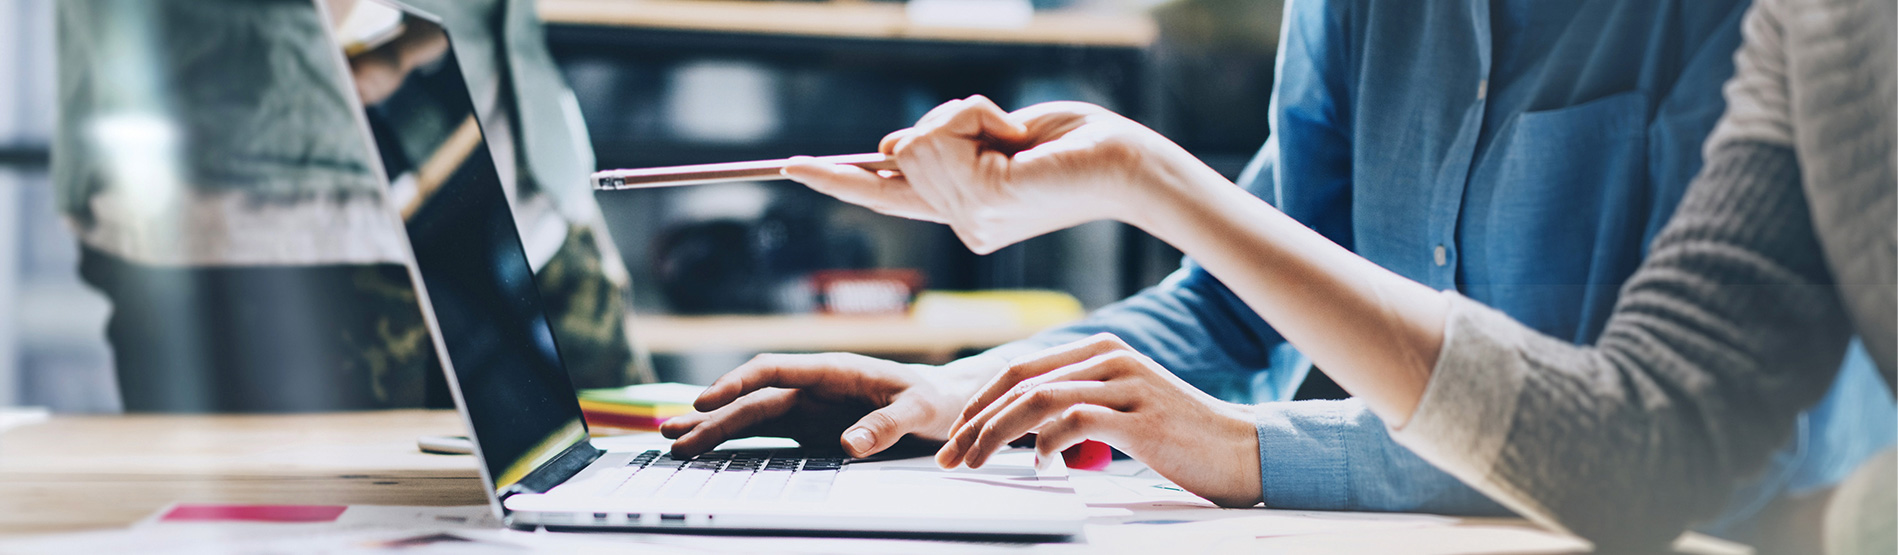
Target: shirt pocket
column 1568, row 214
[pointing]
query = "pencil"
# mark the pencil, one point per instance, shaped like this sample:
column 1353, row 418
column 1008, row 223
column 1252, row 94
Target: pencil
column 675, row 176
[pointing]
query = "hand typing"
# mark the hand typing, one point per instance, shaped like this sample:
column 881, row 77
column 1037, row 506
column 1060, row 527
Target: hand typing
column 1099, row 388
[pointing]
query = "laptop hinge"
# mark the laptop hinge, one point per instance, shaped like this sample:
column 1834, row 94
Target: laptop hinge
column 563, row 467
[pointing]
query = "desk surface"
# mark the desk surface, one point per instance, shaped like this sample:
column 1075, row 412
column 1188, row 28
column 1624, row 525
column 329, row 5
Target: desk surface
column 74, row 473
column 852, row 20
column 78, row 473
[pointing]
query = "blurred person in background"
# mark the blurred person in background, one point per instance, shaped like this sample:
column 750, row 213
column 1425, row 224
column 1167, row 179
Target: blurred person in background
column 1521, row 153
column 209, row 159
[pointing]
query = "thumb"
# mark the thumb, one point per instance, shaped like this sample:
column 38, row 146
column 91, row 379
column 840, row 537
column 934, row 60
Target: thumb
column 992, row 124
column 882, row 427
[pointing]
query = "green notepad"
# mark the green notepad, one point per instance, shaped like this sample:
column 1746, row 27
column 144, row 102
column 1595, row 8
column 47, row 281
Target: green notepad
column 658, row 399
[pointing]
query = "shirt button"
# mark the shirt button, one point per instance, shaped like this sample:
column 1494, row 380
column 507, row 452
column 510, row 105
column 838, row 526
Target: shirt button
column 1482, row 89
column 1442, row 256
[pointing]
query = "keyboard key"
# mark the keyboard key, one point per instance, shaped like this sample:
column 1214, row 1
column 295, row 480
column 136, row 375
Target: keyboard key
column 725, row 485
column 685, row 483
column 823, row 464
column 767, row 485
column 645, row 482
column 752, row 475
column 810, row 486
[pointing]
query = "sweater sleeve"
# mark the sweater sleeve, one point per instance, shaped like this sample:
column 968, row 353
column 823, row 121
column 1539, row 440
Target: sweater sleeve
column 1727, row 330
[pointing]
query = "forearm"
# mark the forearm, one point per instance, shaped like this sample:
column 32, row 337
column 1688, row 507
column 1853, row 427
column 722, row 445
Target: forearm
column 1727, row 330
column 1194, row 326
column 1373, row 331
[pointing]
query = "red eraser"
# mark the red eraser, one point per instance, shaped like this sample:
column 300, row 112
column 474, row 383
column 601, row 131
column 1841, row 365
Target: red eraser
column 1088, row 455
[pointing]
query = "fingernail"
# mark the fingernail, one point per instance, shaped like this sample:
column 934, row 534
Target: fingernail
column 858, row 439
column 948, row 455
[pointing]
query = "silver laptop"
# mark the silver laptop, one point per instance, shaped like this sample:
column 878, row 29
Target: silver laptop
column 537, row 461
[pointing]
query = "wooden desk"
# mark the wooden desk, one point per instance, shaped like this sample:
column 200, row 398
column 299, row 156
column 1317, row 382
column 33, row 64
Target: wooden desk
column 856, row 20
column 74, row 473
column 80, row 473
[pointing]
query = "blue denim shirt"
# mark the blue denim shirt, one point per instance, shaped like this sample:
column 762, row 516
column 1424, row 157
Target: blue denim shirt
column 1523, row 156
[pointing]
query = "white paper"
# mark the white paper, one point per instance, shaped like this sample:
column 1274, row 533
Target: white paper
column 14, row 417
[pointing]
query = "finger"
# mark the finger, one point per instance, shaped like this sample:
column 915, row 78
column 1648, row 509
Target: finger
column 883, row 427
column 891, row 142
column 1001, row 132
column 934, row 117
column 1059, row 109
column 974, row 118
column 1036, row 364
column 734, row 420
column 1100, row 368
column 677, row 426
column 1049, row 119
column 941, row 112
column 969, row 127
column 1038, row 406
column 784, row 371
column 885, row 195
column 887, row 146
column 1077, row 424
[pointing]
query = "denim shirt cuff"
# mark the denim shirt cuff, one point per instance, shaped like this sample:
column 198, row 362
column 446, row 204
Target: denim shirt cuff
column 1303, row 460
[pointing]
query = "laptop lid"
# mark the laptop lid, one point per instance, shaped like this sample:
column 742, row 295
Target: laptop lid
column 473, row 279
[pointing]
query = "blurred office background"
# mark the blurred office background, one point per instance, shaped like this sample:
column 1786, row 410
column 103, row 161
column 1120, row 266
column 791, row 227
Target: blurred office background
column 665, row 82
column 52, row 340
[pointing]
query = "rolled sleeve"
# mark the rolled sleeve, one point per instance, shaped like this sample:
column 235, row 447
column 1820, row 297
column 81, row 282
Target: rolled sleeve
column 1336, row 455
column 1468, row 405
column 1302, row 456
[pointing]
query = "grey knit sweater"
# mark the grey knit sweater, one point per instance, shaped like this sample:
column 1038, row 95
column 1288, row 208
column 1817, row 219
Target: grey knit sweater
column 1782, row 249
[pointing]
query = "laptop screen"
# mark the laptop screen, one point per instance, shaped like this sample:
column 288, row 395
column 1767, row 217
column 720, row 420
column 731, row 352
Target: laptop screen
column 487, row 307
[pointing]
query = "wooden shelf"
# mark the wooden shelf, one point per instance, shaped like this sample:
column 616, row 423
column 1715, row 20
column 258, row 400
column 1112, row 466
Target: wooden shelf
column 852, row 20
column 813, row 333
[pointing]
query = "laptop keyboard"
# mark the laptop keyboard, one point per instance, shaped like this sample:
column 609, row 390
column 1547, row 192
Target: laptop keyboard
column 748, row 475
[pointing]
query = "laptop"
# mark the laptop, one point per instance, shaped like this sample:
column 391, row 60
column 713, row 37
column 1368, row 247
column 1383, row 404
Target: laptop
column 538, row 464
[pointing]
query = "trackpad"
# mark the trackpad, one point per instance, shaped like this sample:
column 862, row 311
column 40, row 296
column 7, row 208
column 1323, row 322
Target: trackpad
column 1010, row 476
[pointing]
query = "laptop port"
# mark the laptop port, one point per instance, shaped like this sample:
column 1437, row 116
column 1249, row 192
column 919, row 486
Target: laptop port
column 666, row 519
column 599, row 517
column 632, row 518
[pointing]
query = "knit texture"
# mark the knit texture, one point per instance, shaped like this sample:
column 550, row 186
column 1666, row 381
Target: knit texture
column 1737, row 320
column 1728, row 330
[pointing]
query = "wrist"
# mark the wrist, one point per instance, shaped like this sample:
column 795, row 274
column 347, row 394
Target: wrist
column 1167, row 188
column 954, row 384
column 964, row 376
column 1242, row 452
